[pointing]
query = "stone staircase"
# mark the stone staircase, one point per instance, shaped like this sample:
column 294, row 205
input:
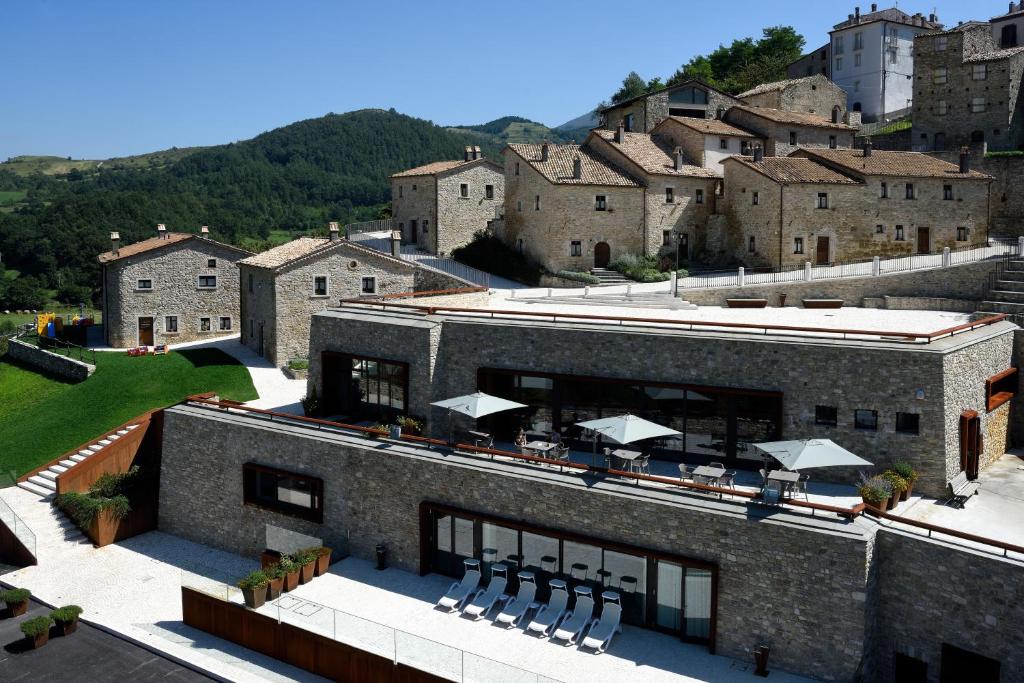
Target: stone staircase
column 44, row 482
column 1006, row 290
column 609, row 277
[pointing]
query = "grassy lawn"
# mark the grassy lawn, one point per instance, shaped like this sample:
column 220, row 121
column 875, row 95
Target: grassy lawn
column 59, row 309
column 42, row 418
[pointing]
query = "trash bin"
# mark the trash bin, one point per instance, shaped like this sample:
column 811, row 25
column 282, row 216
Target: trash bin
column 396, row 432
column 382, row 556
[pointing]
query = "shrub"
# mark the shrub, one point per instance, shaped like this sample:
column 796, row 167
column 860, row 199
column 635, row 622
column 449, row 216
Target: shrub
column 298, row 364
column 36, row 626
column 305, row 556
column 83, row 508
column 897, row 483
column 310, row 403
column 274, row 571
column 410, row 425
column 255, row 579
column 575, row 276
column 287, row 564
column 66, row 614
column 874, row 489
column 639, row 268
column 488, row 253
column 15, row 595
column 905, row 470
column 113, row 484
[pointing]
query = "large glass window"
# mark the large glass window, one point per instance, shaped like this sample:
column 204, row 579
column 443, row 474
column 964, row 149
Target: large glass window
column 289, row 493
column 500, row 546
column 364, row 388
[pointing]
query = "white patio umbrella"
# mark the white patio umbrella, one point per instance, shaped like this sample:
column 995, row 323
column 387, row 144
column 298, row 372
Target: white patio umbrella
column 626, row 429
column 807, row 454
column 475, row 405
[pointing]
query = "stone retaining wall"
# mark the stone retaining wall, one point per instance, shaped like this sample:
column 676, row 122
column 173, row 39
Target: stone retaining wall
column 49, row 362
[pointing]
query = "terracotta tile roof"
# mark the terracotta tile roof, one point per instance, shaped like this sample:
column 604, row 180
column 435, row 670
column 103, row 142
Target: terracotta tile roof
column 652, row 154
column 884, row 163
column 792, row 170
column 158, row 243
column 795, row 118
column 558, row 168
column 711, row 126
column 435, row 167
column 303, row 247
column 892, row 14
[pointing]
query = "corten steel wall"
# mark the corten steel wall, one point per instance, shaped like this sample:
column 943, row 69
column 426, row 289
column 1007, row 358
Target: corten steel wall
column 881, row 377
column 768, row 569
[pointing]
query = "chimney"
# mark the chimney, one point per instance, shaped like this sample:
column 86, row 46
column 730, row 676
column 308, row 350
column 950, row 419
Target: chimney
column 620, row 131
column 874, row 7
column 396, row 243
column 544, row 151
column 856, row 14
column 161, row 231
column 115, row 242
column 332, row 231
column 758, row 154
column 677, row 156
column 1011, row 9
column 965, row 160
column 467, row 153
column 477, row 154
column 934, row 18
column 577, row 168
column 205, row 231
column 867, row 147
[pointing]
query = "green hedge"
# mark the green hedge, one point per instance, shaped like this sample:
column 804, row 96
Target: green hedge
column 575, row 276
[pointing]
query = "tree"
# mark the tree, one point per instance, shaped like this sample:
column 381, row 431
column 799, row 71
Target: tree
column 632, row 86
column 24, row 292
column 745, row 63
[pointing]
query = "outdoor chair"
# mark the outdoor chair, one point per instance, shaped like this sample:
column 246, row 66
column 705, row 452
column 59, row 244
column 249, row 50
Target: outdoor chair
column 602, row 630
column 485, row 600
column 516, row 609
column 728, row 479
column 801, row 485
column 562, row 452
column 641, row 465
column 460, row 591
column 685, row 473
column 764, row 476
column 717, row 464
column 572, row 626
column 548, row 616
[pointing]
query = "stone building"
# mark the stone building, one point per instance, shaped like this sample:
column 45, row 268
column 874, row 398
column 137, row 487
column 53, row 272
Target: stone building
column 786, row 131
column 826, row 206
column 814, row 62
column 1008, row 29
column 810, row 95
column 283, row 287
column 707, row 142
column 692, row 98
column 440, row 206
column 873, row 60
column 172, row 288
column 577, row 207
column 967, row 91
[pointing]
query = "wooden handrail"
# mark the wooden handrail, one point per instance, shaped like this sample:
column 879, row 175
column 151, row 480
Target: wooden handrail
column 416, row 295
column 932, row 528
column 998, row 317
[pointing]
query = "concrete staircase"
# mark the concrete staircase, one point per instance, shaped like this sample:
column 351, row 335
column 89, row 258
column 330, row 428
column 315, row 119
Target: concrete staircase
column 1006, row 292
column 44, row 483
column 609, row 277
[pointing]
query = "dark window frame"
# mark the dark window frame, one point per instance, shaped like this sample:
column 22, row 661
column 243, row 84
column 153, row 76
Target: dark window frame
column 858, row 422
column 600, row 202
column 488, row 191
column 251, row 496
column 220, row 323
column 821, row 416
column 169, row 322
column 316, row 285
column 908, row 423
column 211, row 263
column 464, row 190
column 699, row 196
column 1000, row 388
column 206, row 279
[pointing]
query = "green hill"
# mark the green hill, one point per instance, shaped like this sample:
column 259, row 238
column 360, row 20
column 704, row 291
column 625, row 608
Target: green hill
column 292, row 179
column 510, row 129
column 54, row 166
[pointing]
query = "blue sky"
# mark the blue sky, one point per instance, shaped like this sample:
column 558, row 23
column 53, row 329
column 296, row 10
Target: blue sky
column 103, row 78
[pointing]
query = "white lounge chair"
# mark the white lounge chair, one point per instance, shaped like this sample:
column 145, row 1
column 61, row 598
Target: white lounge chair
column 548, row 616
column 485, row 598
column 602, row 630
column 516, row 609
column 572, row 626
column 460, row 591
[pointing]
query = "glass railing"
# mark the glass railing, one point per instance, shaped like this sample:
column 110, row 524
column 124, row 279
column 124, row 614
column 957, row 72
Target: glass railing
column 401, row 647
column 21, row 531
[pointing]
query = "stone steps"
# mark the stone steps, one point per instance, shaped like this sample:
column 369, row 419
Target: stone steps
column 1010, row 285
column 40, row 491
column 1006, row 296
column 609, row 277
column 992, row 306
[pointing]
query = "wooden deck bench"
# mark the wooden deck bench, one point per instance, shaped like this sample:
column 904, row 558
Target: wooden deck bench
column 960, row 489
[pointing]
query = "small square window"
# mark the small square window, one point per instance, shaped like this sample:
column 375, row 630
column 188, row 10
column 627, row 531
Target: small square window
column 723, row 143
column 699, row 197
column 978, row 105
column 798, row 245
column 414, row 188
column 940, row 75
column 489, row 191
column 670, row 195
column 369, row 285
column 171, row 323
column 204, row 325
column 463, row 190
column 225, row 323
column 320, row 285
column 879, row 229
column 899, row 233
column 211, row 263
column 826, row 415
column 144, row 284
column 980, row 72
column 910, row 191
column 207, row 281
column 576, row 248
column 961, row 234
column 940, row 43
column 822, row 200
column 600, row 203
column 865, row 419
column 908, row 423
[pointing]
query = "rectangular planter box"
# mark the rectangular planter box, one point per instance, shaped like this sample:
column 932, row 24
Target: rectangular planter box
column 823, row 303
column 746, row 303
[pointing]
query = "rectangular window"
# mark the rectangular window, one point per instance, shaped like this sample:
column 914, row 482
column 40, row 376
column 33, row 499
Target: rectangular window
column 961, row 234
column 426, row 226
column 320, row 285
column 839, row 45
column 670, row 195
column 908, row 423
column 252, row 328
column 207, row 282
column 699, row 197
column 940, row 43
column 899, row 233
column 211, row 263
column 910, row 191
column 723, row 143
column 839, row 63
column 822, row 200
column 879, row 229
column 940, row 75
column 289, row 493
column 884, row 191
column 536, row 202
column 517, row 168
column 833, row 142
column 792, row 137
column 865, row 419
column 463, row 190
column 1000, row 388
column 666, row 238
column 755, row 198
column 856, row 59
column 978, row 105
column 250, row 283
column 980, row 72
column 947, row 192
column 600, row 203
column 942, row 108
column 365, row 388
column 204, row 325
column 144, row 284
column 171, row 323
column 627, row 123
column 751, row 244
column 519, row 205
column 400, row 189
column 488, row 191
column 798, row 245
column 225, row 323
column 858, row 41
column 369, row 285
column 575, row 248
column 826, row 415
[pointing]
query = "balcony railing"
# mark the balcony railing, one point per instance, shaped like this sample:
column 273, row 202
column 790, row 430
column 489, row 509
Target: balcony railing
column 12, row 521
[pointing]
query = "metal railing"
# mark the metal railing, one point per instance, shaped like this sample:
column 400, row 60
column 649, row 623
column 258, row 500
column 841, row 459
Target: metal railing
column 381, row 225
column 12, row 521
column 65, row 348
column 451, row 267
column 401, row 647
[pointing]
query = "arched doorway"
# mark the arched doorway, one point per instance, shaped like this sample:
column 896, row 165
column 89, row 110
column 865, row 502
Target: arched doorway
column 602, row 255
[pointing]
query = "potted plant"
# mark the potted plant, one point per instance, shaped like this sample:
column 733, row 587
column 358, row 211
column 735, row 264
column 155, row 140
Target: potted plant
column 897, row 484
column 275, row 581
column 323, row 560
column 36, row 630
column 875, row 491
column 291, row 572
column 410, row 425
column 268, row 558
column 17, row 600
column 306, row 561
column 909, row 474
column 254, row 588
column 66, row 618
column 310, row 403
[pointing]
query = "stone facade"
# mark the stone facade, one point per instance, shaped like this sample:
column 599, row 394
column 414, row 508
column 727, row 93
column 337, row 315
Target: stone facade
column 779, row 135
column 173, row 271
column 813, row 95
column 49, row 362
column 814, row 62
column 707, row 145
column 967, row 91
column 1006, row 203
column 647, row 111
column 430, row 210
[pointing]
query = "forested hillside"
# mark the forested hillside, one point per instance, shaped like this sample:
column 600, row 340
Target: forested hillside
column 293, row 179
column 512, row 129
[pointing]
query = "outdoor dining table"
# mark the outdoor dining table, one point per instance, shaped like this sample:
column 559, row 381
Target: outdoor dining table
column 786, row 478
column 623, row 454
column 540, row 447
column 481, row 438
column 709, row 472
